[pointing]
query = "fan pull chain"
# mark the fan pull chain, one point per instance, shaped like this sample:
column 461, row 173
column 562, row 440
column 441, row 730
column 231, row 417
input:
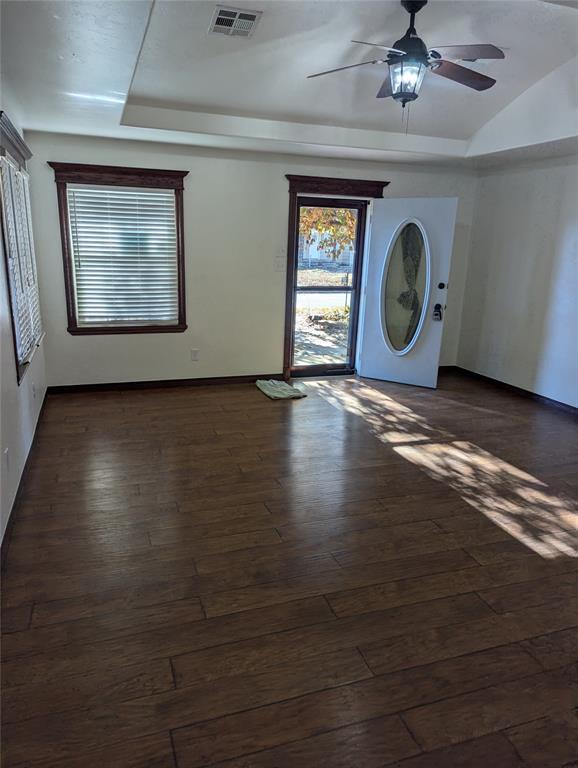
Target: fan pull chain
column 405, row 112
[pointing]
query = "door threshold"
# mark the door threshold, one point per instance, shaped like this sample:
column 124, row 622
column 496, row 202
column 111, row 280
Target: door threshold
column 320, row 373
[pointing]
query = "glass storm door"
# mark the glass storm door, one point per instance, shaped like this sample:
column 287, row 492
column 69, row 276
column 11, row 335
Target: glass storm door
column 327, row 261
column 404, row 289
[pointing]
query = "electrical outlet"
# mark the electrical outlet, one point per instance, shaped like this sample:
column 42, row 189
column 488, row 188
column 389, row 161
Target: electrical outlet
column 6, row 457
column 194, row 355
column 33, row 391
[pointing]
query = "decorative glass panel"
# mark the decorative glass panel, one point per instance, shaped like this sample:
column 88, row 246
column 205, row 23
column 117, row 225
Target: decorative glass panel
column 405, row 286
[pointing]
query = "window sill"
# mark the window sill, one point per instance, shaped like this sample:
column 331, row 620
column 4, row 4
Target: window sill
column 125, row 329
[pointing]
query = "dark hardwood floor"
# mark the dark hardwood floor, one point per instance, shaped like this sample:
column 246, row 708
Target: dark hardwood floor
column 373, row 576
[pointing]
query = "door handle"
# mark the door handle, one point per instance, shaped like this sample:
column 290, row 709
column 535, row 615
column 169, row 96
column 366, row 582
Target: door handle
column 438, row 312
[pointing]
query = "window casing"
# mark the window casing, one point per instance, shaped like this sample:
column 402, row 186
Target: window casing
column 18, row 247
column 123, row 248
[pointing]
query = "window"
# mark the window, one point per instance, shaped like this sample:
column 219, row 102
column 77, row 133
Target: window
column 18, row 247
column 123, row 249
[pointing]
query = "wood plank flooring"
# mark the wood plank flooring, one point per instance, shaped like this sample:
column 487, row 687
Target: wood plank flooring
column 374, row 576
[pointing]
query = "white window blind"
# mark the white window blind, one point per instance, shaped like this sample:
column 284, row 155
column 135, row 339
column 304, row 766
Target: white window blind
column 124, row 255
column 19, row 245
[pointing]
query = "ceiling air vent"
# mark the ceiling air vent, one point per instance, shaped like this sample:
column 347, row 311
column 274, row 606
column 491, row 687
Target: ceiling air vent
column 234, row 21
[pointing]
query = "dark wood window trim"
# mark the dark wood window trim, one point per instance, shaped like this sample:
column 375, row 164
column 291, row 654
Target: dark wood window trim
column 79, row 173
column 12, row 142
column 112, row 175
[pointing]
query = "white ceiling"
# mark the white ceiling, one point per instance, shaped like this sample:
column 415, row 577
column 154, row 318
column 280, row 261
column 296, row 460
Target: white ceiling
column 70, row 64
column 73, row 65
column 265, row 76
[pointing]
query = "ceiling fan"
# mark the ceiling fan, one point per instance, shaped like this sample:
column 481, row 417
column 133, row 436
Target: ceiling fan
column 409, row 59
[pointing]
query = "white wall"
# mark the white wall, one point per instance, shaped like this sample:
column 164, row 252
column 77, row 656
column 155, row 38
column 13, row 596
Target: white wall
column 19, row 405
column 520, row 317
column 546, row 112
column 236, row 209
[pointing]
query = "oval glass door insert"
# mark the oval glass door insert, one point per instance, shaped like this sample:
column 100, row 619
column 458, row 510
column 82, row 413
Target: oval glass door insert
column 405, row 288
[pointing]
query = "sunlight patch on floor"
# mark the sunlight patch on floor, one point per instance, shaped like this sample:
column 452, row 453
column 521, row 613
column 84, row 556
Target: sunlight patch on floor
column 389, row 420
column 518, row 502
column 540, row 518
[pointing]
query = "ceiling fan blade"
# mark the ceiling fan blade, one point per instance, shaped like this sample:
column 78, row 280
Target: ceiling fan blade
column 463, row 75
column 383, row 47
column 349, row 66
column 469, row 52
column 385, row 89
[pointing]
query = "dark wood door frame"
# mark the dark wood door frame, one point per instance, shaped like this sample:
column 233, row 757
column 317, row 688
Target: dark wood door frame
column 333, row 368
column 327, row 368
column 299, row 187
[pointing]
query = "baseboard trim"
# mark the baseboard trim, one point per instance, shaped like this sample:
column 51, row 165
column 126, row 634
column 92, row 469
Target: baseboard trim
column 156, row 384
column 511, row 388
column 250, row 379
column 10, row 524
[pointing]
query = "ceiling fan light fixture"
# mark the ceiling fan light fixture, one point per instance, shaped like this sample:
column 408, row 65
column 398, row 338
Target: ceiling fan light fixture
column 406, row 77
column 409, row 58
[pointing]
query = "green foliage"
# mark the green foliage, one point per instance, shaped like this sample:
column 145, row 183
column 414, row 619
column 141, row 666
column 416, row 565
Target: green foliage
column 327, row 314
column 335, row 314
column 315, row 276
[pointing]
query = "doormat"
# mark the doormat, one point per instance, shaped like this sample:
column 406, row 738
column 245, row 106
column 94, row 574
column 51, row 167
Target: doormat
column 279, row 390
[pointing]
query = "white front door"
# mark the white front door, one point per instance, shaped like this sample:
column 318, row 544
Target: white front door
column 404, row 289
